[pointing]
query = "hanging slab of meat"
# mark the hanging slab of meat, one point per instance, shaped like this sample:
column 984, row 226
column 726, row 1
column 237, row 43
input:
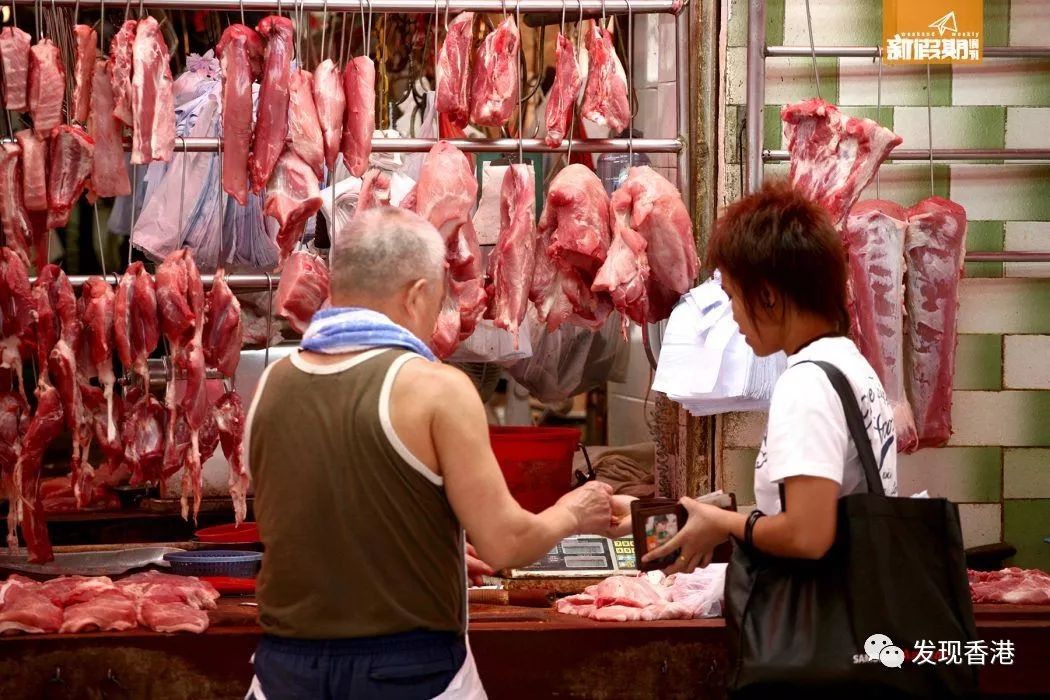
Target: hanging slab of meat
column 97, row 315
column 17, row 316
column 359, row 85
column 14, row 422
column 177, row 449
column 98, row 409
column 375, row 191
column 143, row 433
column 72, row 151
column 652, row 260
column 304, row 125
column 605, row 99
column 136, row 328
column 45, row 425
column 14, row 54
column 240, row 50
column 83, row 71
column 935, row 246
column 494, row 84
column 180, row 298
column 26, row 609
column 564, row 93
column 271, row 125
column 573, row 244
column 62, row 369
column 834, row 156
column 230, row 419
column 292, row 197
column 874, row 237
column 109, row 176
column 119, row 69
column 34, row 170
column 302, row 290
column 223, row 336
column 57, row 317
column 446, row 191
column 453, row 70
column 18, row 229
column 47, row 86
column 152, row 99
column 512, row 263
column 330, row 101
column 106, row 611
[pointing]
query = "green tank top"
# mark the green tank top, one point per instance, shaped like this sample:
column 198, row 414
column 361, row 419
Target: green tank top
column 360, row 539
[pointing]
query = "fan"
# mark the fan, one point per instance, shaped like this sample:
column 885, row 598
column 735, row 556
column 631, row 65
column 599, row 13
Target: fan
column 485, row 376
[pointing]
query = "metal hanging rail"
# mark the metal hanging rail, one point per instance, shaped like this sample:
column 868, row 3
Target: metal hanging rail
column 617, row 7
column 943, row 154
column 248, row 282
column 1013, row 256
column 875, row 52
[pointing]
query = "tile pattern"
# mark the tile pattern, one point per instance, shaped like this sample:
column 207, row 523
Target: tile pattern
column 998, row 463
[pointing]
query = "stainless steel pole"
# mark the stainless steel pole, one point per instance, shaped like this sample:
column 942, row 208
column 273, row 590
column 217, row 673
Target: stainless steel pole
column 531, row 6
column 873, row 51
column 756, row 90
column 945, row 154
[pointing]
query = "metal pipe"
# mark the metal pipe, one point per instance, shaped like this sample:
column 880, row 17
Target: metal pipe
column 1008, row 256
column 756, row 91
column 873, row 51
column 1012, row 154
column 402, row 145
column 593, row 6
column 247, row 282
column 685, row 88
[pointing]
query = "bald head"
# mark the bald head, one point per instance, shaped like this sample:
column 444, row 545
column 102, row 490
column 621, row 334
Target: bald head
column 382, row 251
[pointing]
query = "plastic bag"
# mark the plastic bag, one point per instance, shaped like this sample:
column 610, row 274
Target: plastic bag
column 702, row 591
column 490, row 343
column 571, row 360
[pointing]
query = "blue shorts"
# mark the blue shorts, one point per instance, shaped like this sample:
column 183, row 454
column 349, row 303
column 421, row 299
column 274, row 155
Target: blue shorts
column 397, row 667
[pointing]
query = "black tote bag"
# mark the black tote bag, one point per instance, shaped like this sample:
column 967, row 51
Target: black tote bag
column 896, row 568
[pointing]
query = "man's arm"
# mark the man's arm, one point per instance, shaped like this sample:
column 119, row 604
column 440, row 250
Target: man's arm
column 505, row 534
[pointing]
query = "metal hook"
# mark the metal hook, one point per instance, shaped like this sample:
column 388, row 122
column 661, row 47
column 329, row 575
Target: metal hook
column 98, row 234
column 324, row 24
column 878, row 116
column 241, row 4
column 447, row 4
column 521, row 106
column 564, row 5
column 269, row 314
column 929, row 121
column 812, row 48
column 503, row 3
column 630, row 82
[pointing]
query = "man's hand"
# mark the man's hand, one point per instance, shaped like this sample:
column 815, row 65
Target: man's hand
column 620, row 522
column 476, row 568
column 590, row 508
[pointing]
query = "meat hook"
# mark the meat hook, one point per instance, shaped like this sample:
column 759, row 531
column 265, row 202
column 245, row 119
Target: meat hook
column 269, row 309
column 812, row 49
column 521, row 105
column 324, row 22
column 878, row 113
column 98, row 234
column 630, row 81
column 929, row 121
column 241, row 3
column 366, row 33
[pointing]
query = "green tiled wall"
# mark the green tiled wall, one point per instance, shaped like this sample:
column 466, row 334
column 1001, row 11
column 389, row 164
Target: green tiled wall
column 997, row 465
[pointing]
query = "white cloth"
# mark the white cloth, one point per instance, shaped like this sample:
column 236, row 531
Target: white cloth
column 806, row 434
column 466, row 684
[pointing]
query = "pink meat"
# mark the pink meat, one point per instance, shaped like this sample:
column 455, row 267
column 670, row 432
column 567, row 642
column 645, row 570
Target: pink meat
column 331, row 106
column 874, row 238
column 14, row 54
column 34, row 169
column 45, row 425
column 564, row 92
column 196, row 410
column 47, row 85
column 834, row 156
column 453, row 70
column 56, row 311
column 304, row 125
column 136, row 321
column 71, row 590
column 573, row 244
column 172, row 617
column 154, row 585
column 72, row 152
column 179, row 448
column 107, row 611
column 652, row 260
column 109, row 175
column 180, row 298
column 634, row 592
column 375, row 191
column 605, row 98
column 84, row 70
column 26, row 610
column 144, row 433
column 152, row 99
column 359, row 85
column 240, row 48
column 62, row 369
column 97, row 314
column 14, row 421
column 113, row 471
column 935, row 246
column 119, row 69
column 1012, row 586
column 495, row 83
column 222, row 327
column 512, row 263
column 17, row 225
column 302, row 290
column 230, row 420
column 292, row 197
column 271, row 125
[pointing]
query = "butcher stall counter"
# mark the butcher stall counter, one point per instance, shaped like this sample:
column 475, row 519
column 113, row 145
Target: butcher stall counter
column 520, row 652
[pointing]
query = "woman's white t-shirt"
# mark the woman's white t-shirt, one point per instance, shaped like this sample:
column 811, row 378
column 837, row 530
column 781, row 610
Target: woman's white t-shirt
column 806, row 434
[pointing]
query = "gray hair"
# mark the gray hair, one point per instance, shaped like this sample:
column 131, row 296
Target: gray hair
column 384, row 249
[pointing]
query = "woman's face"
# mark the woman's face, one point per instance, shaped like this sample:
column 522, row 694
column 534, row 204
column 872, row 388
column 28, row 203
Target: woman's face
column 761, row 331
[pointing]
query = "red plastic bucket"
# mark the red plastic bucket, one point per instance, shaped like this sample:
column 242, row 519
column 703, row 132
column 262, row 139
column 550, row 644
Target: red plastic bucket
column 536, row 462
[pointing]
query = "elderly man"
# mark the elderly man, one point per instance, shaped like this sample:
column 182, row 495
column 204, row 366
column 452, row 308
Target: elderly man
column 369, row 462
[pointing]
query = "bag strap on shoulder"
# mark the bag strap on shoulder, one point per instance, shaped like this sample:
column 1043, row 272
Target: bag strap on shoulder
column 855, row 423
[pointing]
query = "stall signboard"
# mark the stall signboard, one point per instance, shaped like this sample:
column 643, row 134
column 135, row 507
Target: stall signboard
column 932, row 31
column 584, row 556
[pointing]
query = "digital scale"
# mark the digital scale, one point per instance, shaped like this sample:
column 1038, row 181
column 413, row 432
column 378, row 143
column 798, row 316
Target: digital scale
column 582, row 556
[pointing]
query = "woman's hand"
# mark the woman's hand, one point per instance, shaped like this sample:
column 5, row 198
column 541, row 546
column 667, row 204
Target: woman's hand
column 704, row 530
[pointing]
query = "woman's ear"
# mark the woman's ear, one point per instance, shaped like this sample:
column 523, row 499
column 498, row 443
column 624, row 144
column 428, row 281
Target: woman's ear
column 770, row 298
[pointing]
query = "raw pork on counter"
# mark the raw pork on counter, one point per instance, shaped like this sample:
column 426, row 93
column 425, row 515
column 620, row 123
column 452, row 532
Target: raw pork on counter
column 1012, row 585
column 834, row 156
column 874, row 238
column 935, row 247
column 651, row 597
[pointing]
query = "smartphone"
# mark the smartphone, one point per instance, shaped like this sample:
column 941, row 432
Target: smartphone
column 655, row 521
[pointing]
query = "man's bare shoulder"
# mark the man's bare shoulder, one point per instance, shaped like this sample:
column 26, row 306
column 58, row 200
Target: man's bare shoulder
column 443, row 382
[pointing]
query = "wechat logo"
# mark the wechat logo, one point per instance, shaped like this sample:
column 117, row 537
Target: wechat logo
column 880, row 648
